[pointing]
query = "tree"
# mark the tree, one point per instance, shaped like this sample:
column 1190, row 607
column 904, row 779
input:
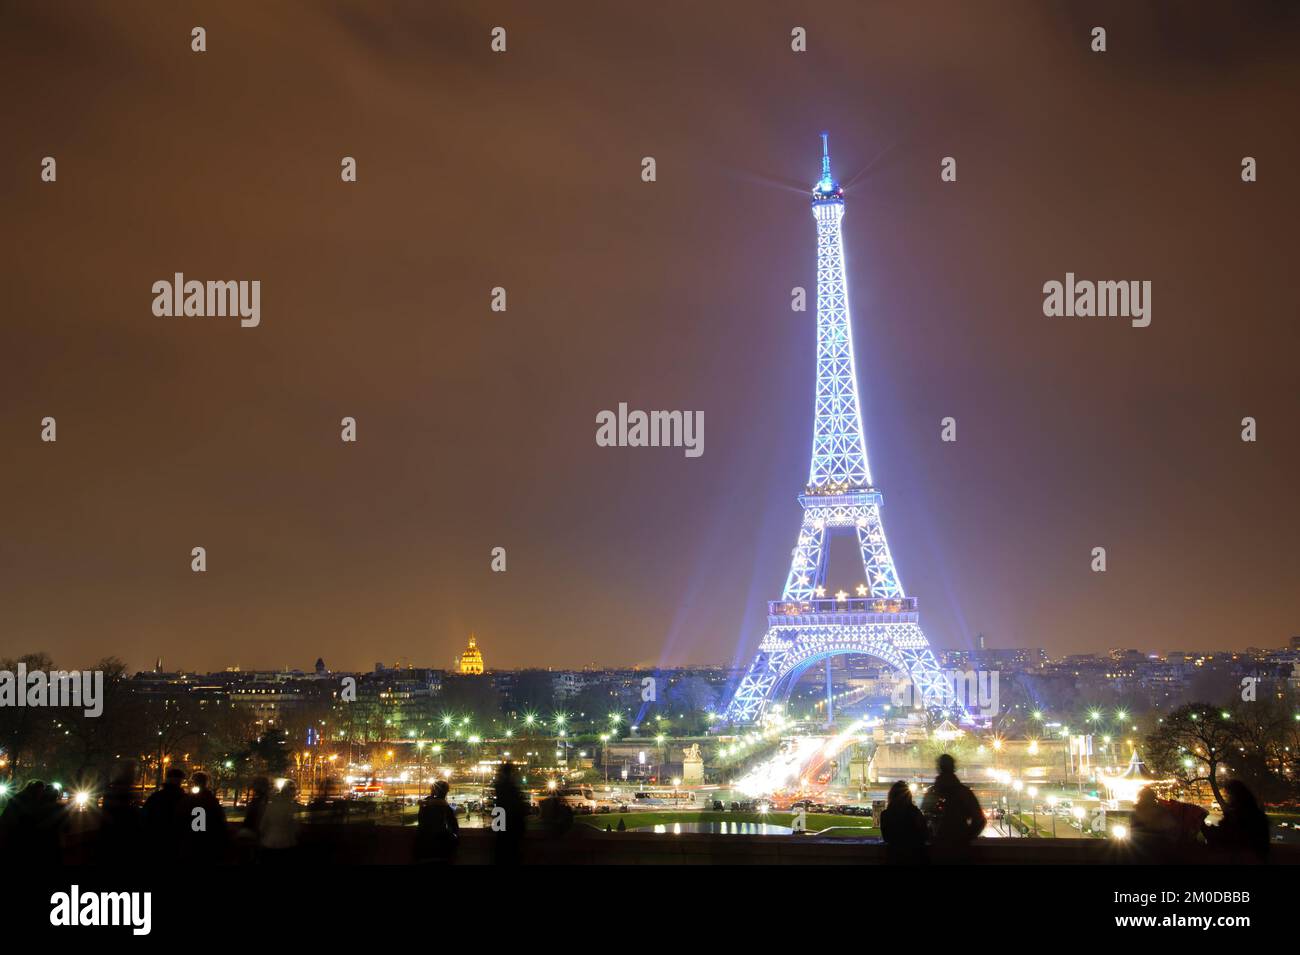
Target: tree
column 172, row 723
column 26, row 732
column 1192, row 744
column 271, row 752
column 93, row 744
column 472, row 696
column 533, row 692
column 1262, row 753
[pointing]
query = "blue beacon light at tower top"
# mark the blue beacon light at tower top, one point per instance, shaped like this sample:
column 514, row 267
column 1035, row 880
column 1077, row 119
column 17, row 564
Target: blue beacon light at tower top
column 826, row 188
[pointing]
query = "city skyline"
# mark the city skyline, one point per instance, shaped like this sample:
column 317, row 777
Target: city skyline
column 476, row 429
column 452, row 665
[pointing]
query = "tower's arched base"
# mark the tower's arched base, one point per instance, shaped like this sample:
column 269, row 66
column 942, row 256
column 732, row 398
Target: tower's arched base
column 788, row 649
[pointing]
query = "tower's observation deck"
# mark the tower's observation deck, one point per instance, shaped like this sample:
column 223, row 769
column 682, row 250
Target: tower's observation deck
column 841, row 609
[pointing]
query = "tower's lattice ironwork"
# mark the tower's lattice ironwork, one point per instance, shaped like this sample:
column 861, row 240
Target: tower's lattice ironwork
column 805, row 626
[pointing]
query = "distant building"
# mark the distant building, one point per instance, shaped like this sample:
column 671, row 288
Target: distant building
column 470, row 663
column 568, row 684
column 1011, row 659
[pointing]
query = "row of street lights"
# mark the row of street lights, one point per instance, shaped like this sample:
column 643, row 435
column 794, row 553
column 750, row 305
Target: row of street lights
column 1018, row 787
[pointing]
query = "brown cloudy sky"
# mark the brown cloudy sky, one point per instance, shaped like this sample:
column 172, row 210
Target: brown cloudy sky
column 522, row 170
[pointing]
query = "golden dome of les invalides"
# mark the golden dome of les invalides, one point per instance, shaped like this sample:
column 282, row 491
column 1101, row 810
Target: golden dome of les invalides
column 471, row 661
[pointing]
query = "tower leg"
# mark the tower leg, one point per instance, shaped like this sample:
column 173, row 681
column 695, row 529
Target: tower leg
column 830, row 695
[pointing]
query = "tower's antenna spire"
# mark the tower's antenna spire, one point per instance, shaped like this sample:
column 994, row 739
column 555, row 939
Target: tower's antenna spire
column 826, row 157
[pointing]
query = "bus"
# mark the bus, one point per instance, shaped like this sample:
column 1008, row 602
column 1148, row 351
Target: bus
column 367, row 790
column 664, row 797
column 581, row 798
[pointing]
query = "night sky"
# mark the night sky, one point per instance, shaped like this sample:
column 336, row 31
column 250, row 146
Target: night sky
column 477, row 429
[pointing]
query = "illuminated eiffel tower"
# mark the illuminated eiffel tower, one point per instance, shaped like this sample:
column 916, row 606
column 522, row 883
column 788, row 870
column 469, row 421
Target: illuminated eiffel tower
column 806, row 626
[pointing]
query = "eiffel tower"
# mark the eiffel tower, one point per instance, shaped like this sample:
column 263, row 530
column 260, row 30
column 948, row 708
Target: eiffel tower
column 806, row 626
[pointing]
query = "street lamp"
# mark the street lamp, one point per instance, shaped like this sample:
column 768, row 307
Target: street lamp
column 1051, row 807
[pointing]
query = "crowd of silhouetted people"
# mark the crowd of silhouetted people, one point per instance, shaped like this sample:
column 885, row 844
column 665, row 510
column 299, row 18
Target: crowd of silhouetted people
column 949, row 818
column 179, row 822
column 183, row 822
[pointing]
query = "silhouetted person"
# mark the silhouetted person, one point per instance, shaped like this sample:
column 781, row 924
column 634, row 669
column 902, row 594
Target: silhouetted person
column 1153, row 830
column 509, row 816
column 30, row 825
column 209, row 845
column 1189, row 819
column 438, row 832
column 121, row 824
column 902, row 826
column 250, row 829
column 166, row 820
column 1243, row 831
column 953, row 812
column 556, row 814
column 279, row 829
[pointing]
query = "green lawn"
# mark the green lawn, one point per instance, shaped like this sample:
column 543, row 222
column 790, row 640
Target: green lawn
column 817, row 823
column 1044, row 822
